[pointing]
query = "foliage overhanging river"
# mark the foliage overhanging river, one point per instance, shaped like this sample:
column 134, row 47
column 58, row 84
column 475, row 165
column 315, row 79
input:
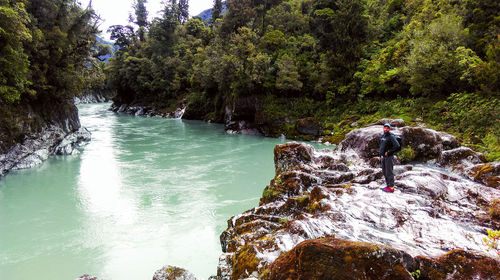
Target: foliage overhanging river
column 145, row 192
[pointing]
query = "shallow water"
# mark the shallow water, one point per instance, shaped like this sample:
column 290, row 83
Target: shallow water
column 146, row 192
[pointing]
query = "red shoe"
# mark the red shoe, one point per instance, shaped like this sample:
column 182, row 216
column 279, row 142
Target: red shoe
column 388, row 189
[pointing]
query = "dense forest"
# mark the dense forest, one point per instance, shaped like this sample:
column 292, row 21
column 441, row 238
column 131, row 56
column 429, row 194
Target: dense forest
column 333, row 61
column 337, row 64
column 47, row 54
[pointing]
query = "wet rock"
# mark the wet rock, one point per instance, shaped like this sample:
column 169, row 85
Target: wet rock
column 86, row 277
column 308, row 126
column 320, row 193
column 365, row 141
column 91, row 98
column 239, row 116
column 392, row 122
column 330, row 258
column 460, row 156
column 458, row 264
column 147, row 111
column 38, row 147
column 173, row 273
column 488, row 174
column 427, row 144
column 71, row 142
column 290, row 155
column 242, row 127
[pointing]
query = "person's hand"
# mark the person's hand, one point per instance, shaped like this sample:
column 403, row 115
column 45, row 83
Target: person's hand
column 379, row 158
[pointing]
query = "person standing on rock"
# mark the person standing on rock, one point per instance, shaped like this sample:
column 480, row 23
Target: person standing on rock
column 388, row 146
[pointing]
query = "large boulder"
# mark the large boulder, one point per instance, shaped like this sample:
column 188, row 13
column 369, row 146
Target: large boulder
column 392, row 122
column 427, row 144
column 320, row 193
column 365, row 141
column 461, row 156
column 331, row 258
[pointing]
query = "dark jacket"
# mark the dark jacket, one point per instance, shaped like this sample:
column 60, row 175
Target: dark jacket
column 389, row 144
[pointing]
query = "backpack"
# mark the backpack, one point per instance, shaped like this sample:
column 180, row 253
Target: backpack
column 400, row 141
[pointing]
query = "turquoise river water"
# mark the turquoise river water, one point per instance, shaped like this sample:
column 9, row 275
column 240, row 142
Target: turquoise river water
column 145, row 192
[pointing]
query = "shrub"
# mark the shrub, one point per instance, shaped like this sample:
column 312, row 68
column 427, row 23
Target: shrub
column 492, row 240
column 406, row 154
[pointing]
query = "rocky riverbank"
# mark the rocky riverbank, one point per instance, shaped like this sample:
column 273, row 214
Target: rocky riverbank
column 93, row 96
column 328, row 204
column 61, row 135
column 148, row 111
column 324, row 216
column 242, row 115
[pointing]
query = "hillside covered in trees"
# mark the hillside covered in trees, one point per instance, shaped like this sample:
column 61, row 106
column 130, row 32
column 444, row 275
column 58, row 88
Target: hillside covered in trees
column 47, row 54
column 273, row 62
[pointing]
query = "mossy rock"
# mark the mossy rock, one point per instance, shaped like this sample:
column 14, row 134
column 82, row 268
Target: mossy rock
column 488, row 174
column 334, row 139
column 244, row 262
column 458, row 264
column 331, row 258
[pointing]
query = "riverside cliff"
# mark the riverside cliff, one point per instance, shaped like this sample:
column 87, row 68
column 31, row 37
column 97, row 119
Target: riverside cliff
column 37, row 132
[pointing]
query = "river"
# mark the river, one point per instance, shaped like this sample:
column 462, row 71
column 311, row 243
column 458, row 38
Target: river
column 145, row 192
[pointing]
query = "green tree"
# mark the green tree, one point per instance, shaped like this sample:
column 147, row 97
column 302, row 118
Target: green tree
column 63, row 35
column 216, row 11
column 141, row 17
column 183, row 14
column 432, row 66
column 482, row 18
column 123, row 35
column 287, row 78
column 341, row 29
column 14, row 34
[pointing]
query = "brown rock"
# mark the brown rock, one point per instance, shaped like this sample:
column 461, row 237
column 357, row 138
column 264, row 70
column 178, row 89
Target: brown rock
column 458, row 264
column 331, row 258
column 86, row 277
column 173, row 273
column 488, row 174
column 459, row 155
column 392, row 122
column 308, row 126
column 290, row 155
